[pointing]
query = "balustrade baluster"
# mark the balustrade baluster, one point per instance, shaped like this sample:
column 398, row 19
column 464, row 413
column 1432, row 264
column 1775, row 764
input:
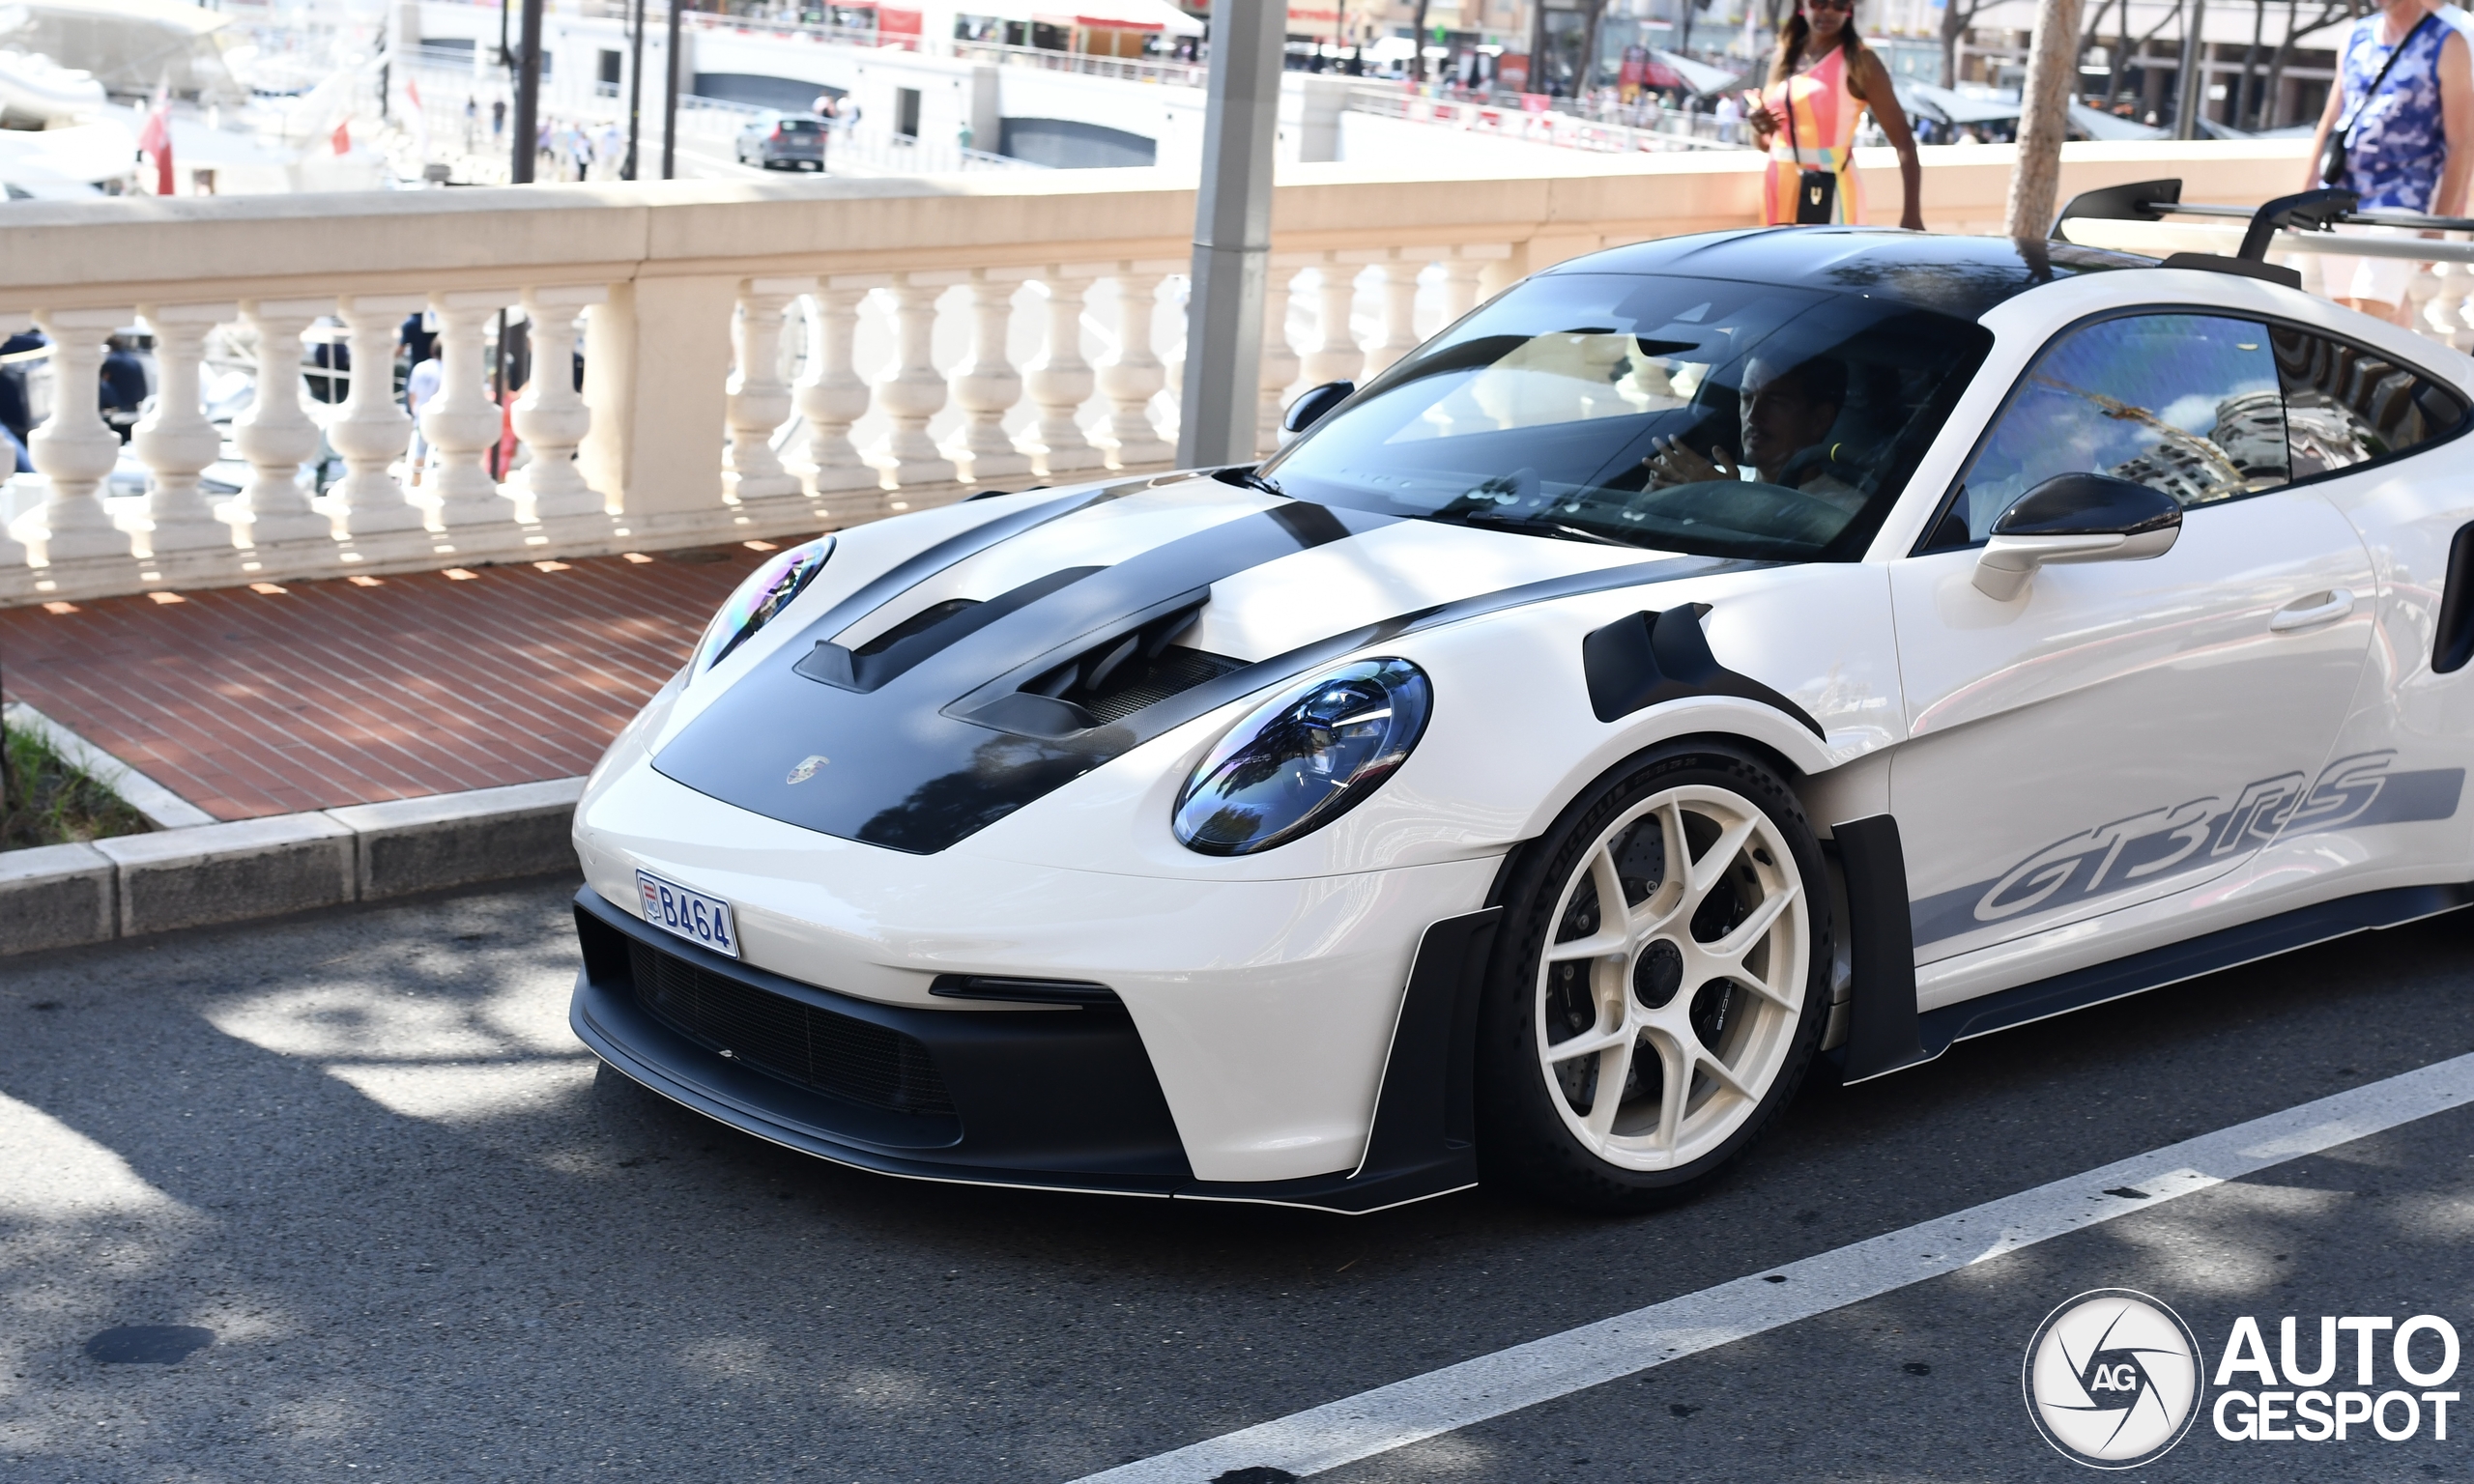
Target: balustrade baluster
column 461, row 423
column 1399, row 312
column 74, row 452
column 1280, row 360
column 371, row 431
column 759, row 400
column 2421, row 291
column 277, row 435
column 1460, row 275
column 914, row 391
column 552, row 418
column 1061, row 381
column 1133, row 374
column 1337, row 356
column 831, row 396
column 2461, row 332
column 987, row 388
column 185, row 540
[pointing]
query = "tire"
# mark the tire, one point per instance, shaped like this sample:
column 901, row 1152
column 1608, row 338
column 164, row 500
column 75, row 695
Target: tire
column 1689, row 992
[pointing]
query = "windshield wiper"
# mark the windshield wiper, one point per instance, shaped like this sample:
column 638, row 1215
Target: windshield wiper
column 1251, row 480
column 1555, row 528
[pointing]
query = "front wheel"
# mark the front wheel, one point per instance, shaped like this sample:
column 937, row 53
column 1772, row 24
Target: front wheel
column 1660, row 982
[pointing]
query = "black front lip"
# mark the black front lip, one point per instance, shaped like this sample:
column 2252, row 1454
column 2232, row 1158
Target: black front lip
column 1047, row 1097
column 1052, row 1100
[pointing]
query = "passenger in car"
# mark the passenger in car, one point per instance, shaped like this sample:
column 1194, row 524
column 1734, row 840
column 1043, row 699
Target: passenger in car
column 1786, row 414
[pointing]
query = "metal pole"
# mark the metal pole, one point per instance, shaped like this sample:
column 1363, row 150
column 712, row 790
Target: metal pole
column 528, row 97
column 1232, row 236
column 636, row 89
column 2192, row 95
column 669, row 98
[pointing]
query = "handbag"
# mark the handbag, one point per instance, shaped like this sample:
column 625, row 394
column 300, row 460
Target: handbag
column 1816, row 190
column 2332, row 159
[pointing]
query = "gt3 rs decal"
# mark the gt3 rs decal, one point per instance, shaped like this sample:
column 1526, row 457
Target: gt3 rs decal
column 2169, row 842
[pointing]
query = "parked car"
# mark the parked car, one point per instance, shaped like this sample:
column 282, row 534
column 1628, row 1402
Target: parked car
column 1712, row 654
column 786, row 141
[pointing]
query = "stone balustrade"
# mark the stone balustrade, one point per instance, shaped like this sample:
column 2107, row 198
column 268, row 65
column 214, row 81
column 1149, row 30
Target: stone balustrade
column 772, row 358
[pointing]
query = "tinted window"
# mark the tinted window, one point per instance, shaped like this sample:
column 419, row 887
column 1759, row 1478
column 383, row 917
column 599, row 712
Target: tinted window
column 2346, row 405
column 2185, row 403
column 1687, row 414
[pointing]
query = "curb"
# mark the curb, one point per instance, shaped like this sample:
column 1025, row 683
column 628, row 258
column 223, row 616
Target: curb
column 131, row 885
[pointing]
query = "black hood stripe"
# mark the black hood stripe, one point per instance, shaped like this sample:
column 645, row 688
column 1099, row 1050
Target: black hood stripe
column 923, row 761
column 918, row 569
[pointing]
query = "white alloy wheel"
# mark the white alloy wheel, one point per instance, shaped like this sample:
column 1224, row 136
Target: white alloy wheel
column 1669, row 997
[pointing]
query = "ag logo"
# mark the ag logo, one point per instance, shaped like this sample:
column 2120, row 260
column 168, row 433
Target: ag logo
column 806, row 769
column 2113, row 1379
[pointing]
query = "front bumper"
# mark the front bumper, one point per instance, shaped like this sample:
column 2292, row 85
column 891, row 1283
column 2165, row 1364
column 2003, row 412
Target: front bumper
column 1061, row 1099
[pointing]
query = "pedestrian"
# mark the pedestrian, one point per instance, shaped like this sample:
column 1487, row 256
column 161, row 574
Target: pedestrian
column 1821, row 79
column 16, row 412
column 2398, row 132
column 123, row 388
column 498, row 120
column 1729, row 114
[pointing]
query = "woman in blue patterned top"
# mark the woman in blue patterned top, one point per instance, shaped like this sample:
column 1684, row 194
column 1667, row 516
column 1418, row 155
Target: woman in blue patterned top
column 2409, row 140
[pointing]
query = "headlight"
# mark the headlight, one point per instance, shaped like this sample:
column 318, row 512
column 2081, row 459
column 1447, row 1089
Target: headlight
column 1303, row 759
column 767, row 591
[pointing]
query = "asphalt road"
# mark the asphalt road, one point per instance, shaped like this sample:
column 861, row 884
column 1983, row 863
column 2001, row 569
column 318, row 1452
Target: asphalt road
column 431, row 1240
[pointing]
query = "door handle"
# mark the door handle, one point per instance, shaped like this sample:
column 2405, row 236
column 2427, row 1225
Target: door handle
column 2318, row 609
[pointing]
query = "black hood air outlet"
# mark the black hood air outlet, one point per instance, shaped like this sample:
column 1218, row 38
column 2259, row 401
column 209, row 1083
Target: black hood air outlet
column 923, row 635
column 1106, row 682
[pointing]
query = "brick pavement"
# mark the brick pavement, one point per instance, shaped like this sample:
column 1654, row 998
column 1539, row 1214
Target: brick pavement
column 272, row 699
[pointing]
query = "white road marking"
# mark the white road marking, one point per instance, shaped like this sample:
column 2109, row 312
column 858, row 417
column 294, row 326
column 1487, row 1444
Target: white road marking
column 1422, row 1406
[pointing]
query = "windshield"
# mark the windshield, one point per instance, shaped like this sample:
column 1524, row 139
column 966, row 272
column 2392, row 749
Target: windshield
column 1685, row 414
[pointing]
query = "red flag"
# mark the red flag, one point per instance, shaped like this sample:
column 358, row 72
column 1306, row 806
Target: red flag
column 343, row 137
column 156, row 139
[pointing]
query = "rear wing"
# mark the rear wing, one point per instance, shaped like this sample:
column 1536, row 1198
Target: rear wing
column 2132, row 218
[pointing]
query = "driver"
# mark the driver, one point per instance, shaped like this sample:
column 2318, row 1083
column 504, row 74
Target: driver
column 1787, row 412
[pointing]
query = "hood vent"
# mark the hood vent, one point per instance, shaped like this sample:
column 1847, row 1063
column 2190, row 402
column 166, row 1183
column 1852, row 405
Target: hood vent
column 1108, row 681
column 921, row 636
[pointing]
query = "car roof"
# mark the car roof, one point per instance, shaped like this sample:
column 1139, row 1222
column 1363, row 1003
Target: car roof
column 1965, row 276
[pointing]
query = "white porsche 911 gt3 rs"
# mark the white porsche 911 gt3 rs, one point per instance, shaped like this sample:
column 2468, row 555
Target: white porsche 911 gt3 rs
column 1708, row 654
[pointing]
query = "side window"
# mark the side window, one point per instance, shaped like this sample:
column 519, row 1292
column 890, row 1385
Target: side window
column 2346, row 405
column 2185, row 403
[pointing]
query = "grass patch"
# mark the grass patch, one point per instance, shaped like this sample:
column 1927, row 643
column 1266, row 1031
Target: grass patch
column 53, row 801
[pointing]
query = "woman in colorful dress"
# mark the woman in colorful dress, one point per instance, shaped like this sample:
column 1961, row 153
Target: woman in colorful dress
column 1821, row 80
column 2404, row 105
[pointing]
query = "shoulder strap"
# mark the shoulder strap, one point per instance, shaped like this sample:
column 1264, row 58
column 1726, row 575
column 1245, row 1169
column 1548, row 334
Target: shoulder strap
column 2403, row 41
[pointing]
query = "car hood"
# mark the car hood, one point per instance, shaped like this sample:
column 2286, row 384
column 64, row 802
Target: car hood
column 997, row 664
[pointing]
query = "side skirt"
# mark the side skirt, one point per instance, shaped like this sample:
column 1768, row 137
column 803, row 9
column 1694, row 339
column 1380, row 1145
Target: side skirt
column 2230, row 948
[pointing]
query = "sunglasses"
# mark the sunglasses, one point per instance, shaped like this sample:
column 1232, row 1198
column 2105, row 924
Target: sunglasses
column 1848, row 6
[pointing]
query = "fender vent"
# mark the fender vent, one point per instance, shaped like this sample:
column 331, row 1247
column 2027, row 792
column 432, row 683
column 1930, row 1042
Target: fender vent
column 2454, row 643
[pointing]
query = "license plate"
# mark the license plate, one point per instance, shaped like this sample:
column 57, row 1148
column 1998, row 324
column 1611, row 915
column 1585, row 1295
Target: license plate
column 701, row 919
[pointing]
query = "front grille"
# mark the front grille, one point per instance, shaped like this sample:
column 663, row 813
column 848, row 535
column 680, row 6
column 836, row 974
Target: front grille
column 798, row 1043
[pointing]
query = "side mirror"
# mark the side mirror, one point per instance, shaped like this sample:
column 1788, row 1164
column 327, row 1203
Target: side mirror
column 2075, row 518
column 1316, row 404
